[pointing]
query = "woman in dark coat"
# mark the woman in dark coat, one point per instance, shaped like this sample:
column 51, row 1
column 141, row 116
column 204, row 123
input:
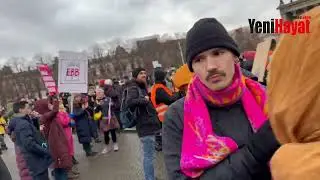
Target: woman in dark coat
column 83, row 123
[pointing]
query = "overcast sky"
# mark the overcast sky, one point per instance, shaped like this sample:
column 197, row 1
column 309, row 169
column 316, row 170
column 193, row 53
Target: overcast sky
column 33, row 26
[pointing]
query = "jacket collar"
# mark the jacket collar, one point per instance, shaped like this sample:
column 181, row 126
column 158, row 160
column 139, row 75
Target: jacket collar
column 18, row 115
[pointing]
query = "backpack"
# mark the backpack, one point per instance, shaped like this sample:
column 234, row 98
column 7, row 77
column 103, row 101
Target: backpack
column 128, row 117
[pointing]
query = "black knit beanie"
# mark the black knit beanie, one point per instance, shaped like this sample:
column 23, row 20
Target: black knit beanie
column 159, row 75
column 136, row 72
column 206, row 34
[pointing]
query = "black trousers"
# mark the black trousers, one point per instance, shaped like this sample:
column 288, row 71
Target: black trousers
column 113, row 136
column 42, row 176
column 87, row 147
column 117, row 113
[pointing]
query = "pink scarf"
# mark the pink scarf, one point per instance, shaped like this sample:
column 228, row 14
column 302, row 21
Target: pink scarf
column 201, row 147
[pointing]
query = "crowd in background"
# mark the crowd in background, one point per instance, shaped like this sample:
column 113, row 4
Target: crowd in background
column 210, row 117
column 93, row 116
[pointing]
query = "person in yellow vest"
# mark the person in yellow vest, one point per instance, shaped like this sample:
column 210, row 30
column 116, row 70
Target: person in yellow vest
column 3, row 124
column 161, row 98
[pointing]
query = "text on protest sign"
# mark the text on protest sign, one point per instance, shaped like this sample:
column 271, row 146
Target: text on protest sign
column 73, row 72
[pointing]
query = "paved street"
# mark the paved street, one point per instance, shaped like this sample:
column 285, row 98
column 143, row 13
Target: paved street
column 122, row 165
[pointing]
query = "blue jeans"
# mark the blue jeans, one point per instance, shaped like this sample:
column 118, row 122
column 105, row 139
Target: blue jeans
column 60, row 174
column 148, row 150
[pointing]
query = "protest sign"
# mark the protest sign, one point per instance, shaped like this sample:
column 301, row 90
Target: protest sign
column 46, row 74
column 260, row 59
column 73, row 72
column 156, row 64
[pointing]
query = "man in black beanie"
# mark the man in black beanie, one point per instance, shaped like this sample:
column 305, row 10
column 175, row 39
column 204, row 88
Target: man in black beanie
column 148, row 123
column 212, row 132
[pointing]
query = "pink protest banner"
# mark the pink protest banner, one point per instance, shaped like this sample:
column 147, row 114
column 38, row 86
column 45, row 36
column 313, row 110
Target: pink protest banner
column 46, row 74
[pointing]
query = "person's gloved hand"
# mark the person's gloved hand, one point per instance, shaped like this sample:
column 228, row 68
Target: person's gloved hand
column 71, row 116
column 72, row 123
column 263, row 144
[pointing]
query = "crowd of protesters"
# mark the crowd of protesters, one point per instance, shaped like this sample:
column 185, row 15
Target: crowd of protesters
column 211, row 117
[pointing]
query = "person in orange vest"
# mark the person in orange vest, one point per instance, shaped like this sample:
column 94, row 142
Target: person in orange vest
column 161, row 95
column 161, row 98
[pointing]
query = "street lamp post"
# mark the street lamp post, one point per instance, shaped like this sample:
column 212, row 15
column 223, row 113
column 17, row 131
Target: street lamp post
column 181, row 53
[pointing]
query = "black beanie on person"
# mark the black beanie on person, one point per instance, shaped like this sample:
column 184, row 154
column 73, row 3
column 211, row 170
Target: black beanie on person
column 206, row 34
column 159, row 75
column 136, row 72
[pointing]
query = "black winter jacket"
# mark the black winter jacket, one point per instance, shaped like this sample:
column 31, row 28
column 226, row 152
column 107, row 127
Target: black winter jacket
column 148, row 122
column 84, row 125
column 250, row 162
column 163, row 97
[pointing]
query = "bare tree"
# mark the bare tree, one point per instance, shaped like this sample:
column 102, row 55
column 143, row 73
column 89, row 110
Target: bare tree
column 32, row 65
column 97, row 51
column 246, row 40
column 43, row 58
column 6, row 70
column 18, row 64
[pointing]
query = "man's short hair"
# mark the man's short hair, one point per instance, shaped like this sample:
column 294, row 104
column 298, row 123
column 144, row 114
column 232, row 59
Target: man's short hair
column 19, row 105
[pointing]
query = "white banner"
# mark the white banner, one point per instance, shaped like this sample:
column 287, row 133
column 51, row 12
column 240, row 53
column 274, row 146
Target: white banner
column 260, row 59
column 73, row 72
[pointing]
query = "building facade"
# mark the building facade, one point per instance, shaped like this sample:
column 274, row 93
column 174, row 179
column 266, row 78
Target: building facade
column 294, row 9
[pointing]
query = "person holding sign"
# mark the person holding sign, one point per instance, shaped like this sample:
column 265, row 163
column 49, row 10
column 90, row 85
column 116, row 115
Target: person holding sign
column 57, row 140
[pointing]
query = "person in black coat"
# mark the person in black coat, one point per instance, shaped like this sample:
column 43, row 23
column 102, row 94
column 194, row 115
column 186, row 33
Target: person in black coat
column 148, row 122
column 91, row 106
column 31, row 144
column 205, row 153
column 83, row 122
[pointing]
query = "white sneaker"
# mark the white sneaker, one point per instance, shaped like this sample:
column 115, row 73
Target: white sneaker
column 115, row 147
column 105, row 150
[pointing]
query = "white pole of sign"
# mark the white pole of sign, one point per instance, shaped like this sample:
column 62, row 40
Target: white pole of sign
column 71, row 103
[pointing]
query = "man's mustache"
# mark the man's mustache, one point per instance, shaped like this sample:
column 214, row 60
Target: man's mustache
column 215, row 72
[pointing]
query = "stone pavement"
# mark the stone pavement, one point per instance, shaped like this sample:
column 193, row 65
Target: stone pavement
column 122, row 165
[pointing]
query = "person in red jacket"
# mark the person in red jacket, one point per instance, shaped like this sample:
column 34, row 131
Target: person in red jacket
column 57, row 140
